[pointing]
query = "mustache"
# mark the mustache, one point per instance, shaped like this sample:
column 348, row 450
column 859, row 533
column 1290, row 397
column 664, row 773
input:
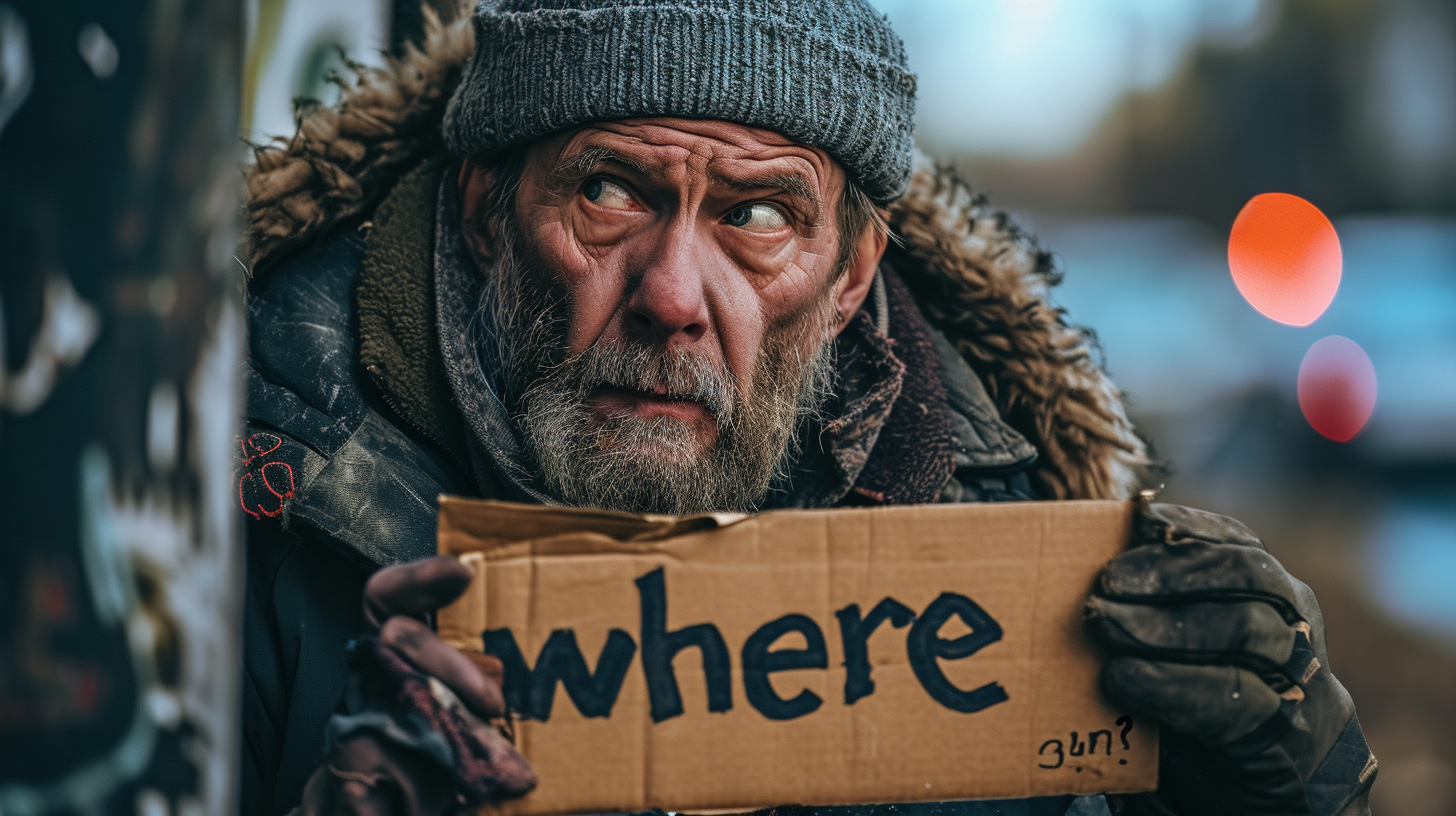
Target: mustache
column 675, row 374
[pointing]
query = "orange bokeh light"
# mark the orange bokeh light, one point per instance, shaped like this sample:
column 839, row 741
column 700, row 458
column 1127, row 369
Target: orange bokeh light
column 1285, row 258
column 1337, row 387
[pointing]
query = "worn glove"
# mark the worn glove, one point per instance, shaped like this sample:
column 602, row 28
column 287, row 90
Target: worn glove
column 1210, row 636
column 412, row 736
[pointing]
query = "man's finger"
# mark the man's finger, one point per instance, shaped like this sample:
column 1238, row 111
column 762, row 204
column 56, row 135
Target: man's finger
column 1174, row 573
column 368, row 776
column 414, row 589
column 489, row 665
column 1176, row 524
column 1250, row 634
column 1215, row 704
column 512, row 774
column 434, row 657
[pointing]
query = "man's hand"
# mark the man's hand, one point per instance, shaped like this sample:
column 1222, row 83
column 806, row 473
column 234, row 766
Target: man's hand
column 413, row 734
column 1213, row 638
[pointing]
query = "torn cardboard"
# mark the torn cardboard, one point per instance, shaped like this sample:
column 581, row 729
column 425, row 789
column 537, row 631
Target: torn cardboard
column 826, row 657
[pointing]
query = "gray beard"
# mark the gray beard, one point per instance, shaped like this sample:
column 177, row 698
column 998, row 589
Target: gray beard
column 654, row 464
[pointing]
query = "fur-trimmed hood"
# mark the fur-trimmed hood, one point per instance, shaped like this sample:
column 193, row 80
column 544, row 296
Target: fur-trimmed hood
column 978, row 278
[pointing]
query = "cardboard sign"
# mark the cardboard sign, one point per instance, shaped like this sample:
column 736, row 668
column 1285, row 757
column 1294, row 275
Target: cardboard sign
column 828, row 657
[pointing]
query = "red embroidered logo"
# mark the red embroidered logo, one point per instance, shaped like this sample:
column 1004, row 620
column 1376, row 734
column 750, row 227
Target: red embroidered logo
column 264, row 485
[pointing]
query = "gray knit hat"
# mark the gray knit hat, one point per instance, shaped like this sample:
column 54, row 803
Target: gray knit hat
column 826, row 73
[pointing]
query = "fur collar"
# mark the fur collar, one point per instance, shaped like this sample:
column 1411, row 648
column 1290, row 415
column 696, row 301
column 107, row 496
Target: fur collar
column 978, row 278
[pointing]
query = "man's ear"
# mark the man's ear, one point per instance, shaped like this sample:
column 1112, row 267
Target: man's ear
column 854, row 285
column 474, row 185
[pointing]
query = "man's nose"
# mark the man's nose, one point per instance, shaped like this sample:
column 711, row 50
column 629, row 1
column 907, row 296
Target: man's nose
column 668, row 305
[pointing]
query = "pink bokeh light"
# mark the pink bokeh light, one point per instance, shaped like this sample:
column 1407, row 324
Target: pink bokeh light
column 1337, row 387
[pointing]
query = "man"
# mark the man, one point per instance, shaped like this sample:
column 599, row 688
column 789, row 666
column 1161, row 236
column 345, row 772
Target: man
column 673, row 257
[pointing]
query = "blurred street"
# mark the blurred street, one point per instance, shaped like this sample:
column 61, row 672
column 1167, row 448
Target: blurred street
column 1127, row 136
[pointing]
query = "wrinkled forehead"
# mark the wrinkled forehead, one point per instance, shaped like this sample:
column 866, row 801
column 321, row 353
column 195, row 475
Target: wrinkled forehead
column 677, row 150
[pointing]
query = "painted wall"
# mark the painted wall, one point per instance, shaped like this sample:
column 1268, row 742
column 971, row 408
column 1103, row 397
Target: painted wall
column 120, row 355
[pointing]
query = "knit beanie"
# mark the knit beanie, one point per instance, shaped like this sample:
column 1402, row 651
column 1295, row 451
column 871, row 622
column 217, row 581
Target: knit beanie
column 826, row 73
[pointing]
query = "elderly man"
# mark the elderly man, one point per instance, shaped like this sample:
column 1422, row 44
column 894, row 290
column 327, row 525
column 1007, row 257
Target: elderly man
column 678, row 256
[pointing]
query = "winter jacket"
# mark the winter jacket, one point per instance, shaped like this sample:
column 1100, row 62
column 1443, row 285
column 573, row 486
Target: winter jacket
column 974, row 386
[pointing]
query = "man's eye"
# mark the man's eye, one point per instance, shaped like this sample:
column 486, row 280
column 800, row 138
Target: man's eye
column 756, row 218
column 604, row 193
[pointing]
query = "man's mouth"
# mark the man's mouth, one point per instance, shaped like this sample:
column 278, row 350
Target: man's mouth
column 616, row 401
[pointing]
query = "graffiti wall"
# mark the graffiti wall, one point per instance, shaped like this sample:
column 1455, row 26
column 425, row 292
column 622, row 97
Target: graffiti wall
column 120, row 342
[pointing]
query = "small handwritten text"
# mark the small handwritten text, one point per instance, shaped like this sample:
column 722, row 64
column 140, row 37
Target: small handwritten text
column 1054, row 752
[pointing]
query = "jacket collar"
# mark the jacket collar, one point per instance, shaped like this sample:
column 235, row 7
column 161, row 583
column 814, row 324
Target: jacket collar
column 496, row 450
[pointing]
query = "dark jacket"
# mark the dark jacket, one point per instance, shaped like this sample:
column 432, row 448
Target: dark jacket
column 975, row 388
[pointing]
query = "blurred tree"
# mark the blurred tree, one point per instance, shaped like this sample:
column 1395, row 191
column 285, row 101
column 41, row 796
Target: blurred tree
column 1348, row 103
column 1291, row 113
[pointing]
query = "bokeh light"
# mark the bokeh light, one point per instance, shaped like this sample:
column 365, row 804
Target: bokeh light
column 1337, row 387
column 1285, row 258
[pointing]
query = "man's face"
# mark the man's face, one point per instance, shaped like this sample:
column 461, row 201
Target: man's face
column 669, row 287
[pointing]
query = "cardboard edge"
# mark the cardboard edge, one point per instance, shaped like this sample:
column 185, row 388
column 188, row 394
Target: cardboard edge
column 450, row 533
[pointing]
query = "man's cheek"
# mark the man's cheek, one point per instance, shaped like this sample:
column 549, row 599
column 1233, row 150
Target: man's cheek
column 570, row 247
column 594, row 293
column 796, row 300
column 551, row 239
column 592, row 233
column 740, row 329
column 799, row 289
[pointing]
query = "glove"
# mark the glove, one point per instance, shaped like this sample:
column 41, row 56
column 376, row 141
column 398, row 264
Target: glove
column 412, row 734
column 1210, row 636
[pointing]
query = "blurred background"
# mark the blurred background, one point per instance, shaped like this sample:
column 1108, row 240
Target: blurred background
column 120, row 347
column 1127, row 134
